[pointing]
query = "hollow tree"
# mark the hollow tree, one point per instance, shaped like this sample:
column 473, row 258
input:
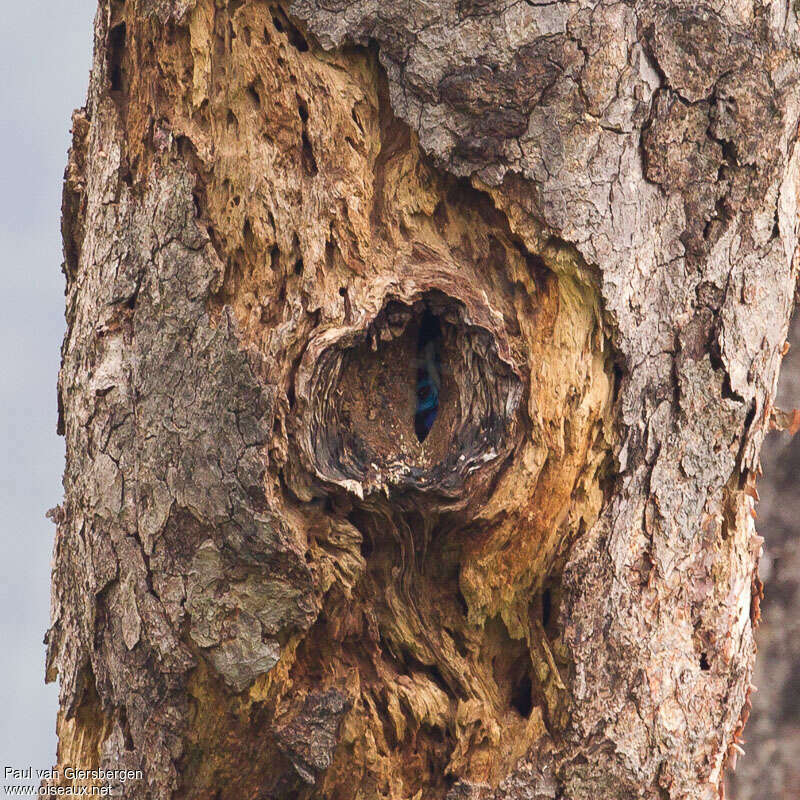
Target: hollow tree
column 419, row 357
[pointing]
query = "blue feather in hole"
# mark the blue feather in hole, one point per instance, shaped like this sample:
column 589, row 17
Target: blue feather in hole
column 428, row 375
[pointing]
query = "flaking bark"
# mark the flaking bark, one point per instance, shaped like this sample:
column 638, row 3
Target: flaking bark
column 264, row 583
column 771, row 768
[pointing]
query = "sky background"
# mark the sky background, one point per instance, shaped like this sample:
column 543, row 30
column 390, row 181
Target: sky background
column 45, row 54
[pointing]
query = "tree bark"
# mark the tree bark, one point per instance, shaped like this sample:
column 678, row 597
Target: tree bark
column 771, row 770
column 419, row 358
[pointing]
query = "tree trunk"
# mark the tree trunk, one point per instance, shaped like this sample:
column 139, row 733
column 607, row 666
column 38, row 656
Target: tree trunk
column 419, row 357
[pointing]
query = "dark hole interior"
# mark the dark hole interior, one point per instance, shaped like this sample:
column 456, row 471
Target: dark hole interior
column 704, row 665
column 547, row 607
column 429, row 371
column 115, row 52
column 522, row 696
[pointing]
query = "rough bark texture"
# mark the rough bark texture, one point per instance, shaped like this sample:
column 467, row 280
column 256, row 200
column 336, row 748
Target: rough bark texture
column 265, row 584
column 771, row 768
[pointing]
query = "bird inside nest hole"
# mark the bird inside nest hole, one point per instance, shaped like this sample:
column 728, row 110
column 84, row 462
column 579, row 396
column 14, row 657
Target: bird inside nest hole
column 393, row 395
column 429, row 372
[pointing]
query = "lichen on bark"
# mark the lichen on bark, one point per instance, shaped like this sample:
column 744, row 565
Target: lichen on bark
column 265, row 584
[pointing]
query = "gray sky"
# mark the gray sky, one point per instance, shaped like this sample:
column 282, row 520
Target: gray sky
column 45, row 52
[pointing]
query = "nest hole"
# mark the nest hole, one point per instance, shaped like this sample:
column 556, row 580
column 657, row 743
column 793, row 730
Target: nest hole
column 420, row 398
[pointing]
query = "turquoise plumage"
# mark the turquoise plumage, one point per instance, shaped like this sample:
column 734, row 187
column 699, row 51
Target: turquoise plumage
column 428, row 376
